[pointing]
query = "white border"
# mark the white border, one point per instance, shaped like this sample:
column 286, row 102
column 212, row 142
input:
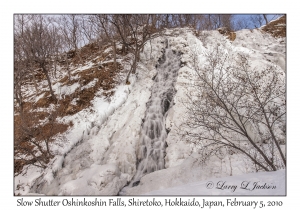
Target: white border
column 154, row 6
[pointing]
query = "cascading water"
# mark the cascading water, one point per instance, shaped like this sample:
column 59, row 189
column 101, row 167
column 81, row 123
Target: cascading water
column 151, row 151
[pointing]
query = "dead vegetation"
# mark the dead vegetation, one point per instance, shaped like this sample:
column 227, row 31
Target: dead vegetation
column 87, row 52
column 104, row 81
column 45, row 101
column 35, row 130
column 32, row 138
column 227, row 33
column 276, row 28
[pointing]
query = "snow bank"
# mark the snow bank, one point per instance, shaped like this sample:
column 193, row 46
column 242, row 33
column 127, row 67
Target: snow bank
column 191, row 169
column 262, row 183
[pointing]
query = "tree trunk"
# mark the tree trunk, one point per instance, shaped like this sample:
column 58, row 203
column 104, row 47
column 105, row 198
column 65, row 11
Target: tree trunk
column 266, row 19
column 55, row 66
column 115, row 56
column 49, row 82
column 134, row 65
column 136, row 57
column 48, row 148
column 150, row 50
column 78, row 52
column 68, row 69
column 132, row 69
column 19, row 99
column 127, row 77
column 123, row 49
column 35, row 84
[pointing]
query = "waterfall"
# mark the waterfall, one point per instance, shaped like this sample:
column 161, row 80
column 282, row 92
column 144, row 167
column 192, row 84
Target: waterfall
column 151, row 151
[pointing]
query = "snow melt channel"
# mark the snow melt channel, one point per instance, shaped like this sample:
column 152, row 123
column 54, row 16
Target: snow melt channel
column 151, row 151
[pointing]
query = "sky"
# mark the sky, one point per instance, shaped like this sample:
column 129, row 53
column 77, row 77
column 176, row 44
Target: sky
column 248, row 18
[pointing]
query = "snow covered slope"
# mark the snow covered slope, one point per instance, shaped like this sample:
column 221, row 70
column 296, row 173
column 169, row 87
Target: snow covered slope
column 102, row 156
column 183, row 163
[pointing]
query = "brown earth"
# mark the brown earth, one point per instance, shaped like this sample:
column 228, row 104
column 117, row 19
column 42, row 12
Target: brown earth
column 276, row 28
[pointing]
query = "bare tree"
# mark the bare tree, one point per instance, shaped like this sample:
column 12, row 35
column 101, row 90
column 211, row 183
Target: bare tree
column 121, row 26
column 240, row 22
column 87, row 27
column 217, row 21
column 19, row 75
column 226, row 21
column 32, row 143
column 134, row 31
column 39, row 40
column 58, row 45
column 34, row 42
column 141, row 32
column 110, row 34
column 265, row 18
column 22, row 63
column 259, row 20
column 72, row 33
column 238, row 108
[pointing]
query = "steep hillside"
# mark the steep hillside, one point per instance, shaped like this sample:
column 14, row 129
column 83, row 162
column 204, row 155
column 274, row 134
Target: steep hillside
column 75, row 86
column 276, row 27
column 110, row 138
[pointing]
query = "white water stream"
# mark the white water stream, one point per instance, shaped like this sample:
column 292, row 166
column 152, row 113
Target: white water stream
column 151, row 152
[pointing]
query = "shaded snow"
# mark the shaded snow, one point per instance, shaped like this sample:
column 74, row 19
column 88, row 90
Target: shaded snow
column 65, row 89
